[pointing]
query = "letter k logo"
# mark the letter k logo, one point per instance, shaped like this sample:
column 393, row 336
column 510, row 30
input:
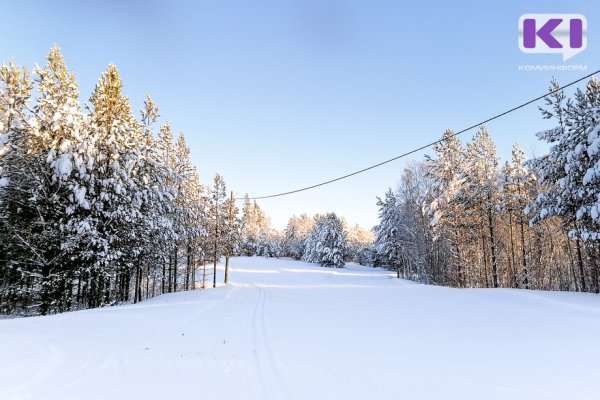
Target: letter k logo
column 544, row 33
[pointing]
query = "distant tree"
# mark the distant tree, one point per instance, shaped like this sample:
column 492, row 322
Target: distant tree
column 217, row 223
column 359, row 241
column 295, row 234
column 387, row 246
column 256, row 230
column 326, row 242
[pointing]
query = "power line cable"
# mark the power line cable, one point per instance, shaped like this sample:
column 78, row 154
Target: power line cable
column 426, row 145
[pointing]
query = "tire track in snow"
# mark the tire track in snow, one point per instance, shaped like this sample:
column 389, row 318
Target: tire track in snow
column 272, row 388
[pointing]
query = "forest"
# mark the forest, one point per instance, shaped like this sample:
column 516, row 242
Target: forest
column 462, row 219
column 99, row 207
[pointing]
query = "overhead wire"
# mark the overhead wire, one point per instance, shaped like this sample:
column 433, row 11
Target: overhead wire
column 423, row 147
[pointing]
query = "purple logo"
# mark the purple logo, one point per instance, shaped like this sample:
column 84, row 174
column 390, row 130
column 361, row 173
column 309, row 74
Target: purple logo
column 553, row 33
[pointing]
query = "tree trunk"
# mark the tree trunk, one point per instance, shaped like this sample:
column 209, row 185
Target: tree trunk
column 484, row 256
column 188, row 266
column 493, row 248
column 175, row 265
column 459, row 272
column 512, row 250
column 524, row 256
column 203, row 274
column 170, row 278
column 580, row 263
column 136, row 286
column 226, row 269
column 162, row 283
column 230, row 223
column 215, row 255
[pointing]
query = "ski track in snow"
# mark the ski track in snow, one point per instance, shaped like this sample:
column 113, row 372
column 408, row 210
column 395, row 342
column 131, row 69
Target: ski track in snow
column 290, row 330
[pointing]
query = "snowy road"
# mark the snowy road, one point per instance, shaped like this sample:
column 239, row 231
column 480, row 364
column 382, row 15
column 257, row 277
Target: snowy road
column 289, row 330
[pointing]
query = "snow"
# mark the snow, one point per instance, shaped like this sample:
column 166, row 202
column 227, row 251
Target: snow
column 80, row 197
column 63, row 166
column 290, row 330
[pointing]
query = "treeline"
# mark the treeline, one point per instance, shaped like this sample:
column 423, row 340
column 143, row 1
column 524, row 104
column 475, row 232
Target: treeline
column 327, row 240
column 459, row 218
column 324, row 239
column 97, row 207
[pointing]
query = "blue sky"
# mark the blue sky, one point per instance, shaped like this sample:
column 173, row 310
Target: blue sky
column 279, row 95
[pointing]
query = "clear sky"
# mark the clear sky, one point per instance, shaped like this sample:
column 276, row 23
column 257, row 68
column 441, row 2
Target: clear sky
column 276, row 95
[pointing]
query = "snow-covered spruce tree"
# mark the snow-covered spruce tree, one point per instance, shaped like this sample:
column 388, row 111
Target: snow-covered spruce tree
column 15, row 281
column 445, row 171
column 326, row 242
column 415, row 233
column 403, row 238
column 387, row 244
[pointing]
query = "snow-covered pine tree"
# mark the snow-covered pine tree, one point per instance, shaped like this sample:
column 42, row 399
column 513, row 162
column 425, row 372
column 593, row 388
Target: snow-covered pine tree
column 359, row 241
column 47, row 186
column 231, row 232
column 445, row 211
column 87, row 202
column 256, row 230
column 60, row 131
column 195, row 192
column 479, row 195
column 156, row 209
column 295, row 234
column 191, row 204
column 250, row 231
column 216, row 223
column 559, row 173
column 15, row 93
column 517, row 184
column 584, row 162
column 116, row 189
column 168, row 183
column 183, row 209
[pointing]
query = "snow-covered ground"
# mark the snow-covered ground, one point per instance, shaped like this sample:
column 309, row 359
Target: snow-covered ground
column 289, row 330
